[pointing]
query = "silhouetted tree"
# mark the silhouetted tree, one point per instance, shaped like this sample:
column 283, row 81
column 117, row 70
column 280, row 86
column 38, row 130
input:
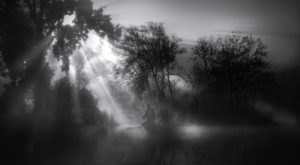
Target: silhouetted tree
column 64, row 105
column 234, row 66
column 90, row 112
column 28, row 28
column 149, row 53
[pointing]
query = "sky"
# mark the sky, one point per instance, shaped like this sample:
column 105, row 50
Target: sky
column 276, row 22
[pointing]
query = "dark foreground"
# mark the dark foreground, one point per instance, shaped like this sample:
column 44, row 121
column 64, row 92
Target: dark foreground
column 169, row 146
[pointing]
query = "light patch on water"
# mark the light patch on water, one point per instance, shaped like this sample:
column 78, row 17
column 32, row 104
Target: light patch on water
column 134, row 131
column 192, row 131
column 280, row 116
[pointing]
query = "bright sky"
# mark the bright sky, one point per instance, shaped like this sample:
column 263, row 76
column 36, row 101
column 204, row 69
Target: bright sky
column 276, row 22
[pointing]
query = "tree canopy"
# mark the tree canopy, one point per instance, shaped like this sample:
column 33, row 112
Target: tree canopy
column 149, row 53
column 235, row 65
column 29, row 27
column 26, row 23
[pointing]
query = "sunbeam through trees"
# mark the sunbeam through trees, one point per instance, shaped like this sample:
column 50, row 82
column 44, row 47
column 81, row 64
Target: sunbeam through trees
column 161, row 82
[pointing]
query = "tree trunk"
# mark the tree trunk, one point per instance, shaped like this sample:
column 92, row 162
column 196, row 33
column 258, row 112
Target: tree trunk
column 169, row 81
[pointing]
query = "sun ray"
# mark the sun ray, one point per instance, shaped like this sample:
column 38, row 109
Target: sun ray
column 99, row 60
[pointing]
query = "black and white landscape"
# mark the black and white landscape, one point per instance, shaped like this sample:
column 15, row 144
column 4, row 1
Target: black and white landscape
column 149, row 82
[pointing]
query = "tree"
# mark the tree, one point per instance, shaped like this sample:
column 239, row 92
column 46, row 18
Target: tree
column 90, row 112
column 32, row 26
column 234, row 66
column 149, row 54
column 28, row 28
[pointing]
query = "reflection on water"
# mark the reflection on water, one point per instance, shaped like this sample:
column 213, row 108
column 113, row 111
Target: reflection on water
column 198, row 144
column 191, row 131
column 133, row 131
column 278, row 115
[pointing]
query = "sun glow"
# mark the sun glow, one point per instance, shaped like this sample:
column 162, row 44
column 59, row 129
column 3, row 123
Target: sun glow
column 95, row 61
column 99, row 61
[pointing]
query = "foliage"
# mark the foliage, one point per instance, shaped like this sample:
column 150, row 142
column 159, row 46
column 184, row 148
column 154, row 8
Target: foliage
column 235, row 66
column 29, row 27
column 16, row 35
column 26, row 23
column 89, row 110
column 149, row 53
column 66, row 100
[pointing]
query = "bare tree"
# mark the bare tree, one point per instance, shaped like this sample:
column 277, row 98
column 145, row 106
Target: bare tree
column 150, row 54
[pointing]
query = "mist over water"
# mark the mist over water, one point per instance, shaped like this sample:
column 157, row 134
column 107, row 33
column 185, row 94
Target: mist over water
column 215, row 82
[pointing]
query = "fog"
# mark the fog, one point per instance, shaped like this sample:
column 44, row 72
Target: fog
column 161, row 82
